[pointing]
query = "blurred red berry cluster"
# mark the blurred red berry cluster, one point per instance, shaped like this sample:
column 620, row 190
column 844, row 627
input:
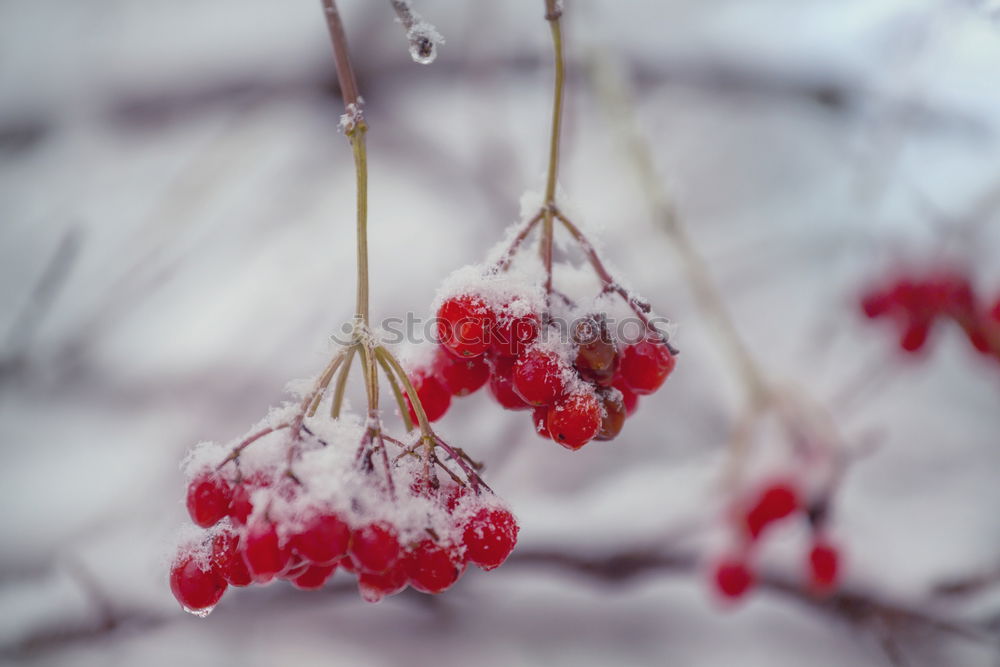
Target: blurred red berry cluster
column 734, row 575
column 915, row 303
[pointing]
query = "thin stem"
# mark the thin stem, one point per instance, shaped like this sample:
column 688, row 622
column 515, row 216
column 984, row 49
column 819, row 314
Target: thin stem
column 338, row 390
column 407, row 422
column 249, row 440
column 345, row 72
column 361, row 169
column 504, row 262
column 552, row 15
column 427, row 435
column 639, row 306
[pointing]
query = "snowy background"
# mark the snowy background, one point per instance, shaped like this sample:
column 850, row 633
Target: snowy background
column 176, row 244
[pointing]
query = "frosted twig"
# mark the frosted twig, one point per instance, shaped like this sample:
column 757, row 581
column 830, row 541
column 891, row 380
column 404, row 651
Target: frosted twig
column 423, row 37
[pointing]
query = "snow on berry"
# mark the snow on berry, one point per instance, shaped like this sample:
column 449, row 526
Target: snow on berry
column 301, row 508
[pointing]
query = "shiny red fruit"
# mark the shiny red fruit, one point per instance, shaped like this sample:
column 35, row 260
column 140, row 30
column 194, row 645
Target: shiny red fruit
column 512, row 335
column 502, row 384
column 313, row 577
column 322, row 539
column 434, row 396
column 432, row 568
column 196, row 585
column 264, row 552
column 208, row 499
column 374, row 548
column 460, row 376
column 538, row 377
column 373, row 587
column 575, row 420
column 489, row 537
column 645, row 365
column 227, row 559
column 465, row 325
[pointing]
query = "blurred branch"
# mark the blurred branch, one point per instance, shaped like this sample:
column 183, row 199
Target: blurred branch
column 42, row 297
column 864, row 610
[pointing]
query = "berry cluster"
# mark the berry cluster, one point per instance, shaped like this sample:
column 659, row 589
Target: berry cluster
column 580, row 385
column 915, row 304
column 265, row 523
column 733, row 575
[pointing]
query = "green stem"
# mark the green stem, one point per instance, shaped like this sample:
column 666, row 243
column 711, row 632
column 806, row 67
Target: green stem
column 552, row 15
column 357, row 137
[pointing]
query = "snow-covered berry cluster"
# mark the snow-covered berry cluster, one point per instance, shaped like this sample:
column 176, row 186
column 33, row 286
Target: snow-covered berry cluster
column 561, row 361
column 265, row 519
column 914, row 302
column 733, row 575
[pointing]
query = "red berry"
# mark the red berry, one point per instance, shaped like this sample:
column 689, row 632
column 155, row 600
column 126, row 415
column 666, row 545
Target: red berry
column 538, row 377
column 540, row 417
column 575, row 420
column 489, row 537
column 453, row 495
column 876, row 303
column 596, row 357
column 465, row 325
column 776, row 502
column 432, row 568
column 613, row 418
column 733, row 578
column 629, row 397
column 375, row 586
column 374, row 548
column 645, row 365
column 512, row 335
column 265, row 554
column 914, row 336
column 823, row 566
column 322, row 539
column 227, row 559
column 434, row 396
column 460, row 376
column 313, row 577
column 241, row 507
column 197, row 586
column 502, row 384
column 208, row 499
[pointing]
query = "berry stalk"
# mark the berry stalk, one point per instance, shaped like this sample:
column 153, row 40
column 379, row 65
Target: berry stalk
column 553, row 12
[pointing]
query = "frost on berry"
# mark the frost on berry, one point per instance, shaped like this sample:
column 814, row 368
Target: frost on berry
column 208, row 498
column 329, row 511
column 575, row 420
column 489, row 537
column 322, row 538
